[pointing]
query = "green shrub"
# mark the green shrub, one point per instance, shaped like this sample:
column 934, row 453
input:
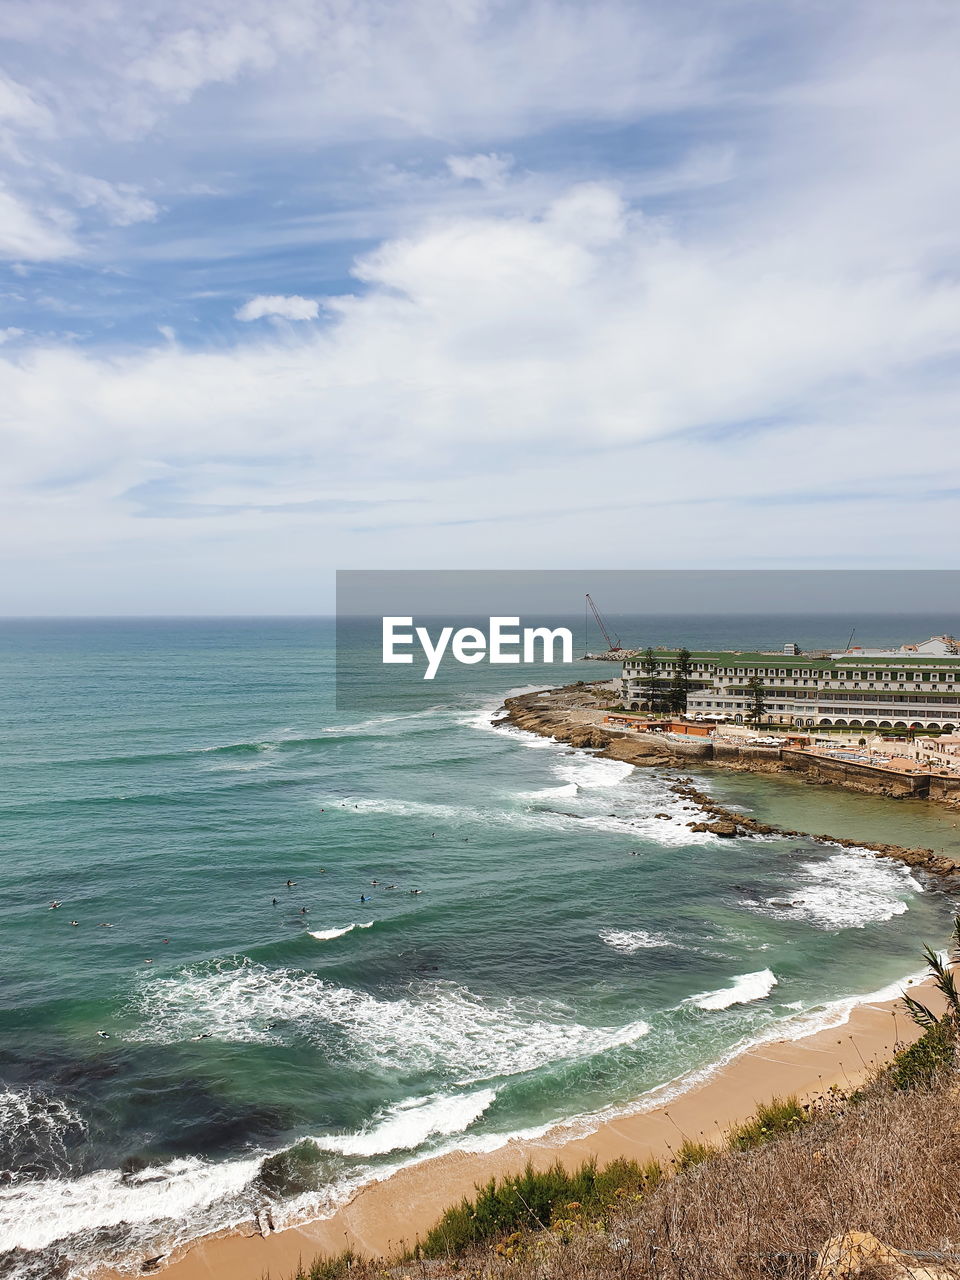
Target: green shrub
column 780, row 1115
column 337, row 1268
column 918, row 1065
column 533, row 1200
column 692, row 1153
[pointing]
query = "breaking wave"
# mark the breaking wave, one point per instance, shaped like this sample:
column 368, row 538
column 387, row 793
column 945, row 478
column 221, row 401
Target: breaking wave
column 326, row 935
column 409, row 1124
column 589, row 771
column 746, row 988
column 439, row 1027
column 35, row 1214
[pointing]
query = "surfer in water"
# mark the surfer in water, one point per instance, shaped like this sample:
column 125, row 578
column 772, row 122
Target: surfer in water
column 363, row 897
column 291, row 883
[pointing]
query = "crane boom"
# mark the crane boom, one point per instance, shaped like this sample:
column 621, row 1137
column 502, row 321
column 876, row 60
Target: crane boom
column 612, row 645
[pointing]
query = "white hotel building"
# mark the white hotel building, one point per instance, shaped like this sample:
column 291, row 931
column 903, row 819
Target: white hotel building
column 914, row 687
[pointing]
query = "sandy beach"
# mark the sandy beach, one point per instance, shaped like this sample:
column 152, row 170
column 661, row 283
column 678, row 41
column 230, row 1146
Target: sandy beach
column 384, row 1217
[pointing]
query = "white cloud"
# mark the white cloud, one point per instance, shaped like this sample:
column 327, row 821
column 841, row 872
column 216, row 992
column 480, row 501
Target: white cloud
column 27, row 234
column 584, row 327
column 490, row 170
column 122, row 203
column 761, row 368
column 189, row 58
column 18, row 107
column 285, row 308
column 10, row 334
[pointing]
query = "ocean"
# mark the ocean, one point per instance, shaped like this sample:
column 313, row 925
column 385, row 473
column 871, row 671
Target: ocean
column 498, row 935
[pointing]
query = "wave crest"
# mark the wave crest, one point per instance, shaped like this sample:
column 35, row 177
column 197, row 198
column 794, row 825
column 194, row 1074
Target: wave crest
column 745, row 989
column 327, row 935
column 439, row 1027
column 409, row 1124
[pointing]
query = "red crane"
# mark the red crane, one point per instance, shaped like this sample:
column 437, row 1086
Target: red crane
column 613, row 645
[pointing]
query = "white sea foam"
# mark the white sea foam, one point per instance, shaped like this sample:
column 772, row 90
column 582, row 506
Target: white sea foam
column 589, row 771
column 568, row 789
column 35, row 1214
column 438, row 1027
column 630, row 940
column 745, row 989
column 464, row 816
column 35, row 1129
column 492, row 710
column 409, row 1124
column 401, row 718
column 326, row 935
column 848, row 890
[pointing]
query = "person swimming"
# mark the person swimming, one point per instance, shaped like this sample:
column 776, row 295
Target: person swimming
column 364, row 897
column 303, row 911
column 274, row 902
column 104, row 1035
column 291, row 883
column 75, row 923
column 55, row 905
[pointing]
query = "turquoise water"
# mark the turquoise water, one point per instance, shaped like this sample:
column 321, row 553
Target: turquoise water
column 214, row 1052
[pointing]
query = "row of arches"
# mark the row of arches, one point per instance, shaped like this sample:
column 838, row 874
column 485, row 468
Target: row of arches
column 887, row 724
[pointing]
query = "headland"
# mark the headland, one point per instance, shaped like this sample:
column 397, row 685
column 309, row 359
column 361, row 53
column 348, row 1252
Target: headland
column 579, row 715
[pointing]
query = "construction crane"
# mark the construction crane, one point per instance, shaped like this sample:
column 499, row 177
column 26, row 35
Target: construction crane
column 613, row 644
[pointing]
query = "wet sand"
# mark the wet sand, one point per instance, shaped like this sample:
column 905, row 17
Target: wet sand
column 384, row 1217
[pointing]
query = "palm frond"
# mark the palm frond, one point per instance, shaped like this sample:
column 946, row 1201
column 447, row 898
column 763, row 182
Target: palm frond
column 920, row 1014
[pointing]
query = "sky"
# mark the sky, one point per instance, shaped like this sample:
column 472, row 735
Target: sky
column 310, row 285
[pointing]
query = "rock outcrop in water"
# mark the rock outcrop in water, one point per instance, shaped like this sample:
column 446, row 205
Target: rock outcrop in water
column 565, row 714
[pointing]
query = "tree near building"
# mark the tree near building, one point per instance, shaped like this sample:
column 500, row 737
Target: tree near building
column 758, row 700
column 650, row 685
column 680, row 685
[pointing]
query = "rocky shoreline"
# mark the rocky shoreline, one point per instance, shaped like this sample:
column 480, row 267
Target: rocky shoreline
column 564, row 714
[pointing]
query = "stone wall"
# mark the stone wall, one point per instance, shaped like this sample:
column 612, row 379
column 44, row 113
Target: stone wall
column 945, row 789
column 858, row 777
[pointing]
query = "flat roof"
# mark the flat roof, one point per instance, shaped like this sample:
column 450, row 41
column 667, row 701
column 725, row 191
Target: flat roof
column 734, row 659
